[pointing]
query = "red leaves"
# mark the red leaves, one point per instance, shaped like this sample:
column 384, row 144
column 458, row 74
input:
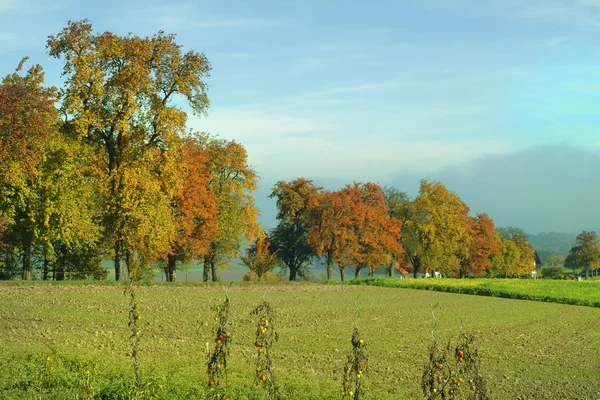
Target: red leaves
column 27, row 115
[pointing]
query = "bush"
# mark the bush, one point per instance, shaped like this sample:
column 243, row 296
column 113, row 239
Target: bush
column 267, row 277
column 553, row 273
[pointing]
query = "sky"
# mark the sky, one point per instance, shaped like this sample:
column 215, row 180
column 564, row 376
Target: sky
column 499, row 100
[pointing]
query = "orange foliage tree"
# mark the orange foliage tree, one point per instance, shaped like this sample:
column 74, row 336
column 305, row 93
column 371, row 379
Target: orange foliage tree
column 194, row 208
column 260, row 258
column 483, row 246
column 375, row 239
column 330, row 228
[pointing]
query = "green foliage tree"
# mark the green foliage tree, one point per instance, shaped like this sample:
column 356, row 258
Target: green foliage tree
column 295, row 200
column 231, row 181
column 120, row 97
column 517, row 257
column 585, row 254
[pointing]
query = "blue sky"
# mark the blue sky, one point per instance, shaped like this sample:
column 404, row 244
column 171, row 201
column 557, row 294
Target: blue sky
column 500, row 100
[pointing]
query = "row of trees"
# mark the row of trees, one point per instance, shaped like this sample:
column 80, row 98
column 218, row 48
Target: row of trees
column 112, row 172
column 364, row 226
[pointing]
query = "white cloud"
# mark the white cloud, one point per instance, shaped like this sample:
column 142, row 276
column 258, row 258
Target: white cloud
column 248, row 124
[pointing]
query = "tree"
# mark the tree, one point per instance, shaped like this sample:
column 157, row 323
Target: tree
column 439, row 221
column 120, row 97
column 46, row 193
column 27, row 117
column 260, row 257
column 231, row 180
column 520, row 261
column 483, row 246
column 585, row 253
column 329, row 227
column 398, row 204
column 295, row 200
column 194, row 208
column 556, row 260
column 376, row 234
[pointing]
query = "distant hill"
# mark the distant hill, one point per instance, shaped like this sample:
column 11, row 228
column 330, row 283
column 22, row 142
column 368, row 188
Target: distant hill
column 550, row 243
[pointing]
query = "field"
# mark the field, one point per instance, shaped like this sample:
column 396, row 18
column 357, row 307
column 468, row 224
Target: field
column 56, row 338
column 583, row 293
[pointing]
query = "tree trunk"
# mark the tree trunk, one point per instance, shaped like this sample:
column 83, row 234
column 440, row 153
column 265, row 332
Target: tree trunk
column 587, row 272
column 46, row 262
column 129, row 273
column 206, row 270
column 117, row 262
column 342, row 274
column 416, row 266
column 214, row 269
column 27, row 262
column 392, row 269
column 329, row 265
column 356, row 272
column 293, row 272
column 171, row 264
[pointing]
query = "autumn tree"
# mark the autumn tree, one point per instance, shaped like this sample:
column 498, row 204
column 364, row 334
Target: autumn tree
column 516, row 257
column 295, row 201
column 121, row 97
column 231, row 182
column 376, row 234
column 585, row 254
column 260, row 258
column 439, row 228
column 330, row 227
column 483, row 246
column 398, row 204
column 46, row 195
column 194, row 208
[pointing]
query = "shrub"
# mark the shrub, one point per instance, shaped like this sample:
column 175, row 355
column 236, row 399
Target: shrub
column 268, row 276
column 553, row 273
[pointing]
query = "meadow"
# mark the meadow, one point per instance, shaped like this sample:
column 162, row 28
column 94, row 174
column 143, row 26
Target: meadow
column 583, row 293
column 56, row 338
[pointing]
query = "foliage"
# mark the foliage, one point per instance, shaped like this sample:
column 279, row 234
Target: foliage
column 376, row 234
column 27, row 117
column 330, row 227
column 295, row 200
column 585, row 253
column 194, row 209
column 260, row 258
column 440, row 226
column 483, row 246
column 231, row 181
column 120, row 98
column 553, row 273
column 517, row 257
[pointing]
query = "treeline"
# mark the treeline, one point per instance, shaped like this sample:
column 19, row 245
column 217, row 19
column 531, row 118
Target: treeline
column 111, row 172
column 364, row 226
column 104, row 168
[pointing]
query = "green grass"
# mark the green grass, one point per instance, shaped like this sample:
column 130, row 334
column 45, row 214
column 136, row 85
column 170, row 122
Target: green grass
column 583, row 293
column 528, row 349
